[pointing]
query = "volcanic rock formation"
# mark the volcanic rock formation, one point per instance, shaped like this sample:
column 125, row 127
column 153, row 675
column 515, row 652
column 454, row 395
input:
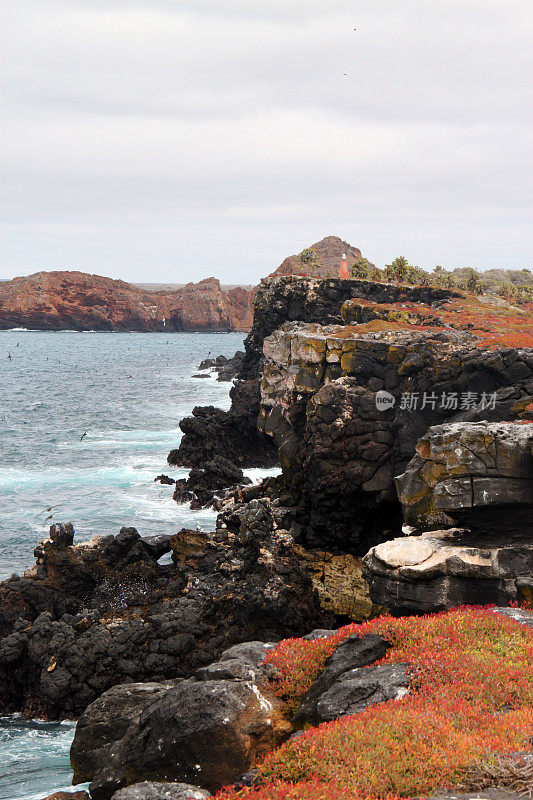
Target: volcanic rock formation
column 217, row 725
column 92, row 615
column 339, row 451
column 476, row 475
column 479, row 475
column 233, row 434
column 78, row 301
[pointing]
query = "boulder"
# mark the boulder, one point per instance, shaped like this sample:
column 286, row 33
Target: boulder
column 105, row 721
column 209, row 731
column 161, row 791
column 240, row 662
column 444, row 569
column 203, row 484
column 62, row 535
column 355, row 651
column 360, row 688
column 109, row 730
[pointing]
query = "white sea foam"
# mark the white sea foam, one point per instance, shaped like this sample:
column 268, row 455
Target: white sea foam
column 255, row 474
column 123, row 476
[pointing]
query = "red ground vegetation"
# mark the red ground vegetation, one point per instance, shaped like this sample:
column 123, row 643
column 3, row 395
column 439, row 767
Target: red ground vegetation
column 471, row 696
column 495, row 322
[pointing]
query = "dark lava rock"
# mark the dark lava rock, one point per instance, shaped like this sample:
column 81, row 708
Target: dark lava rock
column 339, row 450
column 164, row 480
column 158, row 544
column 105, row 612
column 105, row 721
column 227, row 368
column 234, row 434
column 230, row 434
column 240, row 662
column 359, row 688
column 320, row 633
column 107, row 728
column 62, row 535
column 354, row 652
column 200, row 488
column 161, row 791
column 209, row 732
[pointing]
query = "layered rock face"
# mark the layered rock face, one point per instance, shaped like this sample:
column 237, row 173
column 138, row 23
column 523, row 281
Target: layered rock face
column 476, row 475
column 445, row 569
column 339, row 452
column 233, row 434
column 78, row 301
column 481, row 476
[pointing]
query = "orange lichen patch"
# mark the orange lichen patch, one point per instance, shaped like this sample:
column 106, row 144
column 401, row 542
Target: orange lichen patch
column 493, row 321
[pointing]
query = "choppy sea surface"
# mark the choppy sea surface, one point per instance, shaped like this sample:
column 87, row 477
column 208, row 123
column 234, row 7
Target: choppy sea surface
column 86, row 423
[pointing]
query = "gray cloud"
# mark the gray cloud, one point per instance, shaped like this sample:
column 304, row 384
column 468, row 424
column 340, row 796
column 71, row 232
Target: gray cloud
column 142, row 136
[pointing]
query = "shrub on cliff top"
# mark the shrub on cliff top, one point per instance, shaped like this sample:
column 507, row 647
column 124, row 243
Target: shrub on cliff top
column 471, row 696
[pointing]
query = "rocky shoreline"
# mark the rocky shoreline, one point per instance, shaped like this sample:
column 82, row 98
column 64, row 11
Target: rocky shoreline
column 142, row 650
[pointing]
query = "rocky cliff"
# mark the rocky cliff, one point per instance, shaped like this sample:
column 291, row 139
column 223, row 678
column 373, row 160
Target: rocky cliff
column 285, row 554
column 234, row 434
column 78, row 301
column 338, row 448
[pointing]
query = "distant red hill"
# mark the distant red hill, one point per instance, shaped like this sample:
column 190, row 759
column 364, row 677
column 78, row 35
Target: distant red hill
column 79, row 301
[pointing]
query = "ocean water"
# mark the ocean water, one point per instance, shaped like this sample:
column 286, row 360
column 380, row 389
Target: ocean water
column 126, row 392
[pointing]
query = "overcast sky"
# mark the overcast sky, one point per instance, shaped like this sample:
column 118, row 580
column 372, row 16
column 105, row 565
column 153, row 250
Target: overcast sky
column 168, row 140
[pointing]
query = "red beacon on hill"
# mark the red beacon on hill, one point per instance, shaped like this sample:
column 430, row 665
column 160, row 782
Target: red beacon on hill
column 343, row 272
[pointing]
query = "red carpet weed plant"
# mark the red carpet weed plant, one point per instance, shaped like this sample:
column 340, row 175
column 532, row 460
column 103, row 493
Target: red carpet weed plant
column 471, row 698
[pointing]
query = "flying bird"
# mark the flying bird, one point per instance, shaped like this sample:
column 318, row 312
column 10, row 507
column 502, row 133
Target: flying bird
column 84, row 435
